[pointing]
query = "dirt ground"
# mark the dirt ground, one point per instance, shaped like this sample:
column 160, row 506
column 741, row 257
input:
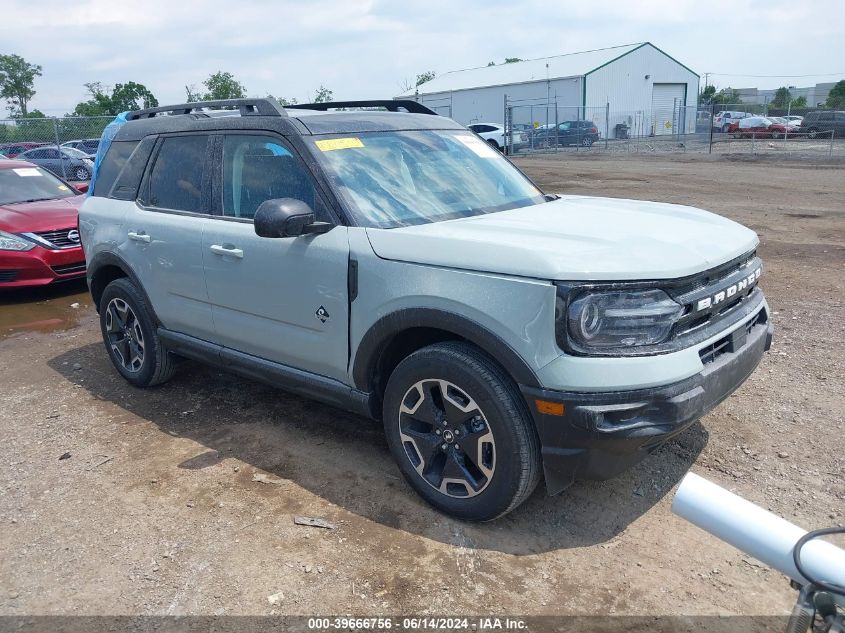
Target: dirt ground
column 181, row 499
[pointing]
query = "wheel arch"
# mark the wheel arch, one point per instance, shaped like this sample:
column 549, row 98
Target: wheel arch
column 103, row 269
column 396, row 335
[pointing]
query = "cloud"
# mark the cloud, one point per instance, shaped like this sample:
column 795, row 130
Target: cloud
column 370, row 48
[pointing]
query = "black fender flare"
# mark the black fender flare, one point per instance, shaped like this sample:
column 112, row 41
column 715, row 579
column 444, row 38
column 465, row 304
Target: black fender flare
column 109, row 258
column 382, row 332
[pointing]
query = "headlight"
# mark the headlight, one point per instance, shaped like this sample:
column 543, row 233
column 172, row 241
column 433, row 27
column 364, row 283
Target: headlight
column 11, row 242
column 604, row 321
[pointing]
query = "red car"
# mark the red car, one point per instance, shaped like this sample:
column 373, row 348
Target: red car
column 10, row 150
column 39, row 234
column 758, row 127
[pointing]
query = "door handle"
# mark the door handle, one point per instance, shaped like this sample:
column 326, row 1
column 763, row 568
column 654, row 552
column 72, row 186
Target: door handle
column 231, row 251
column 138, row 237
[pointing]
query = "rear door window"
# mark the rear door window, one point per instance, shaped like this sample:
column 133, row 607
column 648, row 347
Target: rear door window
column 178, row 179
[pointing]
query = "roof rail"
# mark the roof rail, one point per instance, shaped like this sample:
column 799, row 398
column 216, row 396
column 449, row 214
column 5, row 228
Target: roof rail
column 391, row 105
column 248, row 107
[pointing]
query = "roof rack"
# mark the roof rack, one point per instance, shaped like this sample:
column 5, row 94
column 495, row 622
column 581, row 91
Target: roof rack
column 391, row 105
column 248, row 107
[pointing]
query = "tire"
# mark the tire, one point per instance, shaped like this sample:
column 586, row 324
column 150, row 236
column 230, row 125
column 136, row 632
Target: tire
column 80, row 173
column 813, row 132
column 494, row 144
column 725, row 128
column 776, row 135
column 129, row 334
column 586, row 142
column 451, row 392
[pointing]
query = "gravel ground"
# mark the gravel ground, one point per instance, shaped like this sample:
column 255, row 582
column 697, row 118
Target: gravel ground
column 181, row 499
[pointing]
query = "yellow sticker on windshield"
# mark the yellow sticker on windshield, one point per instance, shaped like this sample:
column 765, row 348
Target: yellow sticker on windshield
column 62, row 188
column 329, row 144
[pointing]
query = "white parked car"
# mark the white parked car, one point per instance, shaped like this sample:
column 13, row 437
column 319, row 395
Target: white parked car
column 722, row 120
column 494, row 134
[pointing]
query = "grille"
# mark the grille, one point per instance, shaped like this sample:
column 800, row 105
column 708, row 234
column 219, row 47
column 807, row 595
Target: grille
column 69, row 269
column 708, row 284
column 726, row 344
column 59, row 238
column 8, row 275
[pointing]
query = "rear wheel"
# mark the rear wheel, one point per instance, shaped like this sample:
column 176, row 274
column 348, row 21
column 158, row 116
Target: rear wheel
column 460, row 432
column 813, row 132
column 494, row 144
column 587, row 141
column 130, row 336
column 80, row 173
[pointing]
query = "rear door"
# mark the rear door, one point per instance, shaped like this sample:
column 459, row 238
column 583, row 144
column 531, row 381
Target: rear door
column 164, row 232
column 281, row 299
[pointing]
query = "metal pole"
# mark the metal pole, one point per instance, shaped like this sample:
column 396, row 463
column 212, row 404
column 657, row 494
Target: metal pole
column 830, row 149
column 710, row 143
column 59, row 148
column 606, row 122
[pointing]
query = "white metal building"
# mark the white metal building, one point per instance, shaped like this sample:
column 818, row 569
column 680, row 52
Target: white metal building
column 636, row 84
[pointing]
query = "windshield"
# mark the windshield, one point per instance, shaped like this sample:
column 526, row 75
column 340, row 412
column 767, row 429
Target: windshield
column 392, row 179
column 73, row 152
column 28, row 184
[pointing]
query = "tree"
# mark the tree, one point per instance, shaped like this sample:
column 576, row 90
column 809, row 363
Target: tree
column 491, row 63
column 192, row 94
column 323, row 95
column 727, row 96
column 800, row 102
column 705, row 97
column 782, row 98
column 222, row 85
column 17, row 78
column 511, row 60
column 428, row 75
column 836, row 96
column 124, row 97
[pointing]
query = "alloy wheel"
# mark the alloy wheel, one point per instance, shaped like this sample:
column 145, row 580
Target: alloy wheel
column 447, row 438
column 81, row 173
column 126, row 338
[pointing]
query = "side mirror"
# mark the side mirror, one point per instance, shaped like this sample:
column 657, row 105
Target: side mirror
column 287, row 217
column 81, row 187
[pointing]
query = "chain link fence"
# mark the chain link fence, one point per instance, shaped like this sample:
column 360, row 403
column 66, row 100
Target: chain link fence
column 539, row 127
column 65, row 146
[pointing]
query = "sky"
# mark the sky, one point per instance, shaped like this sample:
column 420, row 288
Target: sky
column 372, row 49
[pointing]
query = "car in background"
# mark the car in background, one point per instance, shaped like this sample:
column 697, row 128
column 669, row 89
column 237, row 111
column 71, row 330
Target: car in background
column 11, row 150
column 583, row 133
column 794, row 118
column 758, row 127
column 723, row 120
column 494, row 134
column 822, row 122
column 87, row 146
column 39, row 234
column 68, row 163
column 790, row 126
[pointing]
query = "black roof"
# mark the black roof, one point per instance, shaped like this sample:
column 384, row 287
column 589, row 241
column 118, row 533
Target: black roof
column 267, row 114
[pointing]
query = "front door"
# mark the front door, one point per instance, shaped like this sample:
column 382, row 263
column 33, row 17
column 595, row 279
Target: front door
column 282, row 299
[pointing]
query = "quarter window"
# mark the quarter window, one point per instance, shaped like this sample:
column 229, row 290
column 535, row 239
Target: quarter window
column 259, row 168
column 178, row 176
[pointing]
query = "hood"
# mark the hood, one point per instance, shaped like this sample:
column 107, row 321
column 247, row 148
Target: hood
column 46, row 215
column 575, row 238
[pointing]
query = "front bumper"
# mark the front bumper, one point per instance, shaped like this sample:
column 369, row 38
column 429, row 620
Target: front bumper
column 40, row 266
column 602, row 434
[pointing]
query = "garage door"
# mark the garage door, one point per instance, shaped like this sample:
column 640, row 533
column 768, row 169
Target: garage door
column 667, row 111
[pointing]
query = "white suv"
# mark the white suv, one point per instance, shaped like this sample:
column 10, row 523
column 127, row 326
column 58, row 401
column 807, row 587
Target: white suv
column 722, row 120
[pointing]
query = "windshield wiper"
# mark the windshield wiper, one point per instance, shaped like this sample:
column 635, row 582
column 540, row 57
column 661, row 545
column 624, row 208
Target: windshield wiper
column 30, row 200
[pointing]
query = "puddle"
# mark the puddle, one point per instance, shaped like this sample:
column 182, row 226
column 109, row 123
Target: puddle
column 46, row 309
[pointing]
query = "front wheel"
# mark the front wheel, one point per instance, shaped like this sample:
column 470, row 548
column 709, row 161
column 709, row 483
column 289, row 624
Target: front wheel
column 130, row 336
column 586, row 141
column 460, row 432
column 812, row 132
